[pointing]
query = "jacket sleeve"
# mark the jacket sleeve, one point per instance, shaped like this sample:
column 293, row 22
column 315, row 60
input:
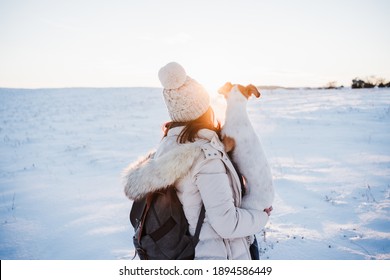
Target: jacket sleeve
column 227, row 220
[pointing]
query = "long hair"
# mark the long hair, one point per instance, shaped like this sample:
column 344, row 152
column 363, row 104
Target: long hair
column 191, row 128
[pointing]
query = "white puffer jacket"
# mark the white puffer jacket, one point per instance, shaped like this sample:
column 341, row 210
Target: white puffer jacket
column 201, row 171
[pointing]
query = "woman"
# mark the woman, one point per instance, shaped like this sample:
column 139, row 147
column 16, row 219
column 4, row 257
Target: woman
column 192, row 157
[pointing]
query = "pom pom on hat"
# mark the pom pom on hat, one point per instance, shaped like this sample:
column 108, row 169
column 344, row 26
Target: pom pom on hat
column 172, row 75
column 185, row 98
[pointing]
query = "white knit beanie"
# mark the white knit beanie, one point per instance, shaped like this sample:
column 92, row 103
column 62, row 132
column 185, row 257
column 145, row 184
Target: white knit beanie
column 185, row 98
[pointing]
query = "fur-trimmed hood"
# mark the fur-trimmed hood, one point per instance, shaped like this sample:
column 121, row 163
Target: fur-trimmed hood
column 151, row 173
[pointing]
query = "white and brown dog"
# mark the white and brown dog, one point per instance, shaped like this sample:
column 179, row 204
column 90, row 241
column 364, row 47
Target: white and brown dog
column 244, row 146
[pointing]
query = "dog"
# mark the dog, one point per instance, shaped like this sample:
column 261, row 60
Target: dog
column 245, row 149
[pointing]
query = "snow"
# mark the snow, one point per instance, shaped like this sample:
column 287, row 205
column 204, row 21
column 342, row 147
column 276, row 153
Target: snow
column 63, row 151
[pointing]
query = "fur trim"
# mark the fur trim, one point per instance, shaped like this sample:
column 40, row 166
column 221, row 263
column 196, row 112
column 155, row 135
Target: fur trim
column 152, row 173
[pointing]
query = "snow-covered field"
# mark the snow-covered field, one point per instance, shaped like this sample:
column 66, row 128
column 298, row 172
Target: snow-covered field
column 62, row 152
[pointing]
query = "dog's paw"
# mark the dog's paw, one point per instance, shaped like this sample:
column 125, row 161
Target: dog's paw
column 229, row 143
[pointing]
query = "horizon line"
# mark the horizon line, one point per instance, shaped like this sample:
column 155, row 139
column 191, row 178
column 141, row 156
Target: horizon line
column 270, row 87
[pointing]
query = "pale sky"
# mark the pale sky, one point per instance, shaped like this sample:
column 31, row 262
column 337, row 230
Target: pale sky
column 123, row 43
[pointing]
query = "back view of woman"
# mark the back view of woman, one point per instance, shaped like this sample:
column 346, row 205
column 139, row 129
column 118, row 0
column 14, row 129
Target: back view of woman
column 192, row 157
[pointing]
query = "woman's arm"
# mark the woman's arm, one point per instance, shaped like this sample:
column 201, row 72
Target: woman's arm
column 227, row 220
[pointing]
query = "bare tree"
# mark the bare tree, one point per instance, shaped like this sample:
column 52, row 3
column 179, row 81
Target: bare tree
column 331, row 85
column 381, row 82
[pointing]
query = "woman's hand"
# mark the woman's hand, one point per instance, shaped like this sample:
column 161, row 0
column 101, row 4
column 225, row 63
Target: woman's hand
column 268, row 210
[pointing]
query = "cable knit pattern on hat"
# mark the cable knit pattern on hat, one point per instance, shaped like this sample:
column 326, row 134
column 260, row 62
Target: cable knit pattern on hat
column 185, row 98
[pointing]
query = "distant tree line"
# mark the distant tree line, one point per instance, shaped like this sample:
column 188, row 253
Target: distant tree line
column 370, row 82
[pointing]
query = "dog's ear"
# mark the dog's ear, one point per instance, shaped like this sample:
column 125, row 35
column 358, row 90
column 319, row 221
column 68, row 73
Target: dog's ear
column 226, row 88
column 228, row 143
column 251, row 89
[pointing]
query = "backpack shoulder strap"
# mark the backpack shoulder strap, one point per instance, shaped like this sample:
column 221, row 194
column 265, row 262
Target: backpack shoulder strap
column 199, row 224
column 137, row 211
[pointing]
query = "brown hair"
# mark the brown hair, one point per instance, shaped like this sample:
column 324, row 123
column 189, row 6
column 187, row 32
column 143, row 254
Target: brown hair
column 191, row 128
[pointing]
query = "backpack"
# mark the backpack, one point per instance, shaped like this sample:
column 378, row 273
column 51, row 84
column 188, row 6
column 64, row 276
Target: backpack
column 161, row 228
